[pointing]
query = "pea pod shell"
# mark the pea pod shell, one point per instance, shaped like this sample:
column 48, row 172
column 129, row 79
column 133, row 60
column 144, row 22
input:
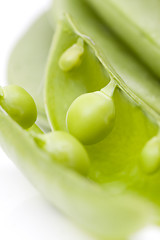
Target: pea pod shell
column 137, row 24
column 81, row 200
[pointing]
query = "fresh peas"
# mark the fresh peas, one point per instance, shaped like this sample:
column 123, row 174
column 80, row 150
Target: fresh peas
column 72, row 56
column 91, row 116
column 87, row 203
column 150, row 159
column 113, row 168
column 19, row 105
column 66, row 150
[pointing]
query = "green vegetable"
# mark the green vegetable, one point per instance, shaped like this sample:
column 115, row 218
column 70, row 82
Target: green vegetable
column 83, row 201
column 111, row 195
column 65, row 149
column 91, row 117
column 137, row 24
column 116, row 58
column 115, row 161
column 19, row 105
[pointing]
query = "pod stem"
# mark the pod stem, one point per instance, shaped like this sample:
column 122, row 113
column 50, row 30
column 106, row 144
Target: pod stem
column 110, row 88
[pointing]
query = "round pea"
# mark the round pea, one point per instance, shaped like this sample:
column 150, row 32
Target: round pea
column 19, row 105
column 91, row 117
column 150, row 157
column 66, row 150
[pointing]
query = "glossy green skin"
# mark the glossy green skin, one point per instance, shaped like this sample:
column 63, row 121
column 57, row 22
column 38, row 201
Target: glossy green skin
column 91, row 117
column 66, row 150
column 19, row 105
column 137, row 24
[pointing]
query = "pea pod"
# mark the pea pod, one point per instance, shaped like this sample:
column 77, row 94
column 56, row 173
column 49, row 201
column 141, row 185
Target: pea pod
column 116, row 159
column 137, row 24
column 80, row 199
column 117, row 58
column 129, row 114
column 116, row 189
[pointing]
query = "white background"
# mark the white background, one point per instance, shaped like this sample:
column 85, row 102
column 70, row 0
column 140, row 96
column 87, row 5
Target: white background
column 24, row 214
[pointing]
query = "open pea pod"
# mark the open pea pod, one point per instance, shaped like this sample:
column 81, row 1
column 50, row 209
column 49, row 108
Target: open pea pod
column 82, row 200
column 136, row 23
column 117, row 59
column 117, row 197
column 27, row 63
column 116, row 161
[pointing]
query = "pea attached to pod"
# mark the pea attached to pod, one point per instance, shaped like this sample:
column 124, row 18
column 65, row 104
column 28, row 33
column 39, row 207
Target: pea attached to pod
column 91, row 116
column 72, row 56
column 19, row 105
column 65, row 149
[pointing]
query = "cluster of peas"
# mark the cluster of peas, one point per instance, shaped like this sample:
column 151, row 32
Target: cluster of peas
column 88, row 121
column 66, row 148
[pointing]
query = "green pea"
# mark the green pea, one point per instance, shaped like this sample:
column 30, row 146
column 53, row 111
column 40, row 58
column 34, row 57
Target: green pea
column 72, row 56
column 150, row 159
column 19, row 105
column 66, row 150
column 91, row 117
